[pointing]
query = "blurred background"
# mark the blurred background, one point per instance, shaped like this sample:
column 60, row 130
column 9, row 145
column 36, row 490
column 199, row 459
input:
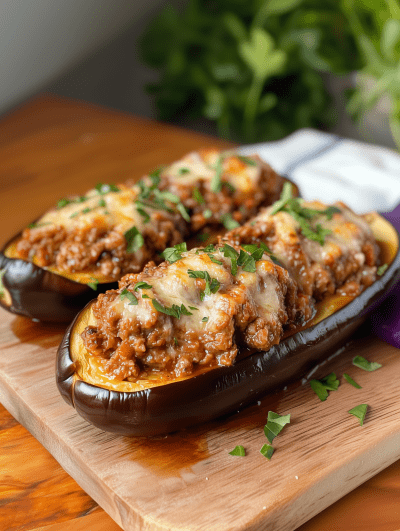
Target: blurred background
column 247, row 70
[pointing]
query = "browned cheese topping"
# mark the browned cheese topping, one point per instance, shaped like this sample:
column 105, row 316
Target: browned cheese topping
column 194, row 312
column 341, row 256
column 216, row 186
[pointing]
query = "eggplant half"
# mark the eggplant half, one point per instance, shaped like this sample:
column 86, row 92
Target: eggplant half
column 159, row 405
column 43, row 294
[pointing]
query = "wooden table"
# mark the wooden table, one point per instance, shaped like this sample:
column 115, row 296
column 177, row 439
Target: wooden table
column 48, row 148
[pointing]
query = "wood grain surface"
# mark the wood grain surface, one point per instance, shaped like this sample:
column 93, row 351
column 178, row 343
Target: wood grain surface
column 51, row 147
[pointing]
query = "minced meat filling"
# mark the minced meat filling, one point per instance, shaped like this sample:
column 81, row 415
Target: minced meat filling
column 196, row 311
column 347, row 252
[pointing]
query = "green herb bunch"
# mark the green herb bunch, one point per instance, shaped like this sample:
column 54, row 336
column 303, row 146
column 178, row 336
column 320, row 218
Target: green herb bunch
column 252, row 67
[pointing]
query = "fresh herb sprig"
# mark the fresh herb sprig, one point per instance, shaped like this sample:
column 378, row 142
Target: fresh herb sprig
column 212, row 284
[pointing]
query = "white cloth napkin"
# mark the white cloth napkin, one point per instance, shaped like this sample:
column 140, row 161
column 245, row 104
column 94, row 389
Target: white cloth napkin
column 330, row 168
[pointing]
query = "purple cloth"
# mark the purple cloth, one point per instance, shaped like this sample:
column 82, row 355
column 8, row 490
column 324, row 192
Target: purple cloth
column 386, row 319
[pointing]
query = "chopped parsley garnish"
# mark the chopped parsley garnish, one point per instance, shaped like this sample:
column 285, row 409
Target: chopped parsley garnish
column 93, row 284
column 102, row 203
column 182, row 171
column 183, row 212
column 350, row 380
column 212, row 284
column 303, row 216
column 193, row 308
column 382, row 269
column 141, row 285
column 267, row 451
column 198, row 197
column 174, row 311
column 228, row 222
column 86, row 210
column 125, row 294
column 103, row 188
column 207, row 213
column 173, row 254
column 214, row 260
column 210, row 248
column 275, row 425
column 152, row 197
column 38, row 225
column 322, row 386
column 175, row 341
column 144, row 214
column 216, row 180
column 155, row 175
column 64, row 202
column 238, row 451
column 247, row 160
column 366, row 365
column 230, row 252
column 205, row 319
column 134, row 240
column 359, row 412
column 144, row 296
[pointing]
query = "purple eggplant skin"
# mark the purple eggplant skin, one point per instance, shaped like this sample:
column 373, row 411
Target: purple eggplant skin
column 201, row 398
column 43, row 295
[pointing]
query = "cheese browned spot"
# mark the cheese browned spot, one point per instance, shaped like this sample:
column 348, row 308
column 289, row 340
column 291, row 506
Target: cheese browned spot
column 346, row 261
column 246, row 183
column 88, row 235
column 247, row 309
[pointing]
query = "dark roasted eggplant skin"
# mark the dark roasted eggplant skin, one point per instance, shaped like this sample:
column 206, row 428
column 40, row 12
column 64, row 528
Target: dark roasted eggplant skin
column 201, row 398
column 43, row 295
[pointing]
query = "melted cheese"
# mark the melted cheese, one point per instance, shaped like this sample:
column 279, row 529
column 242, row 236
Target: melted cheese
column 201, row 166
column 119, row 212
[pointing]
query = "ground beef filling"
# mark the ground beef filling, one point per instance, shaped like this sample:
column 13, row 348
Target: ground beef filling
column 249, row 309
column 347, row 261
column 97, row 248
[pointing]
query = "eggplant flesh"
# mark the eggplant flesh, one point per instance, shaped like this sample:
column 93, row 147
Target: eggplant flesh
column 156, row 406
column 43, row 294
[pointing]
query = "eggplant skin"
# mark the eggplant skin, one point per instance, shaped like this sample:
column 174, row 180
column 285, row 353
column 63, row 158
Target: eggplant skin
column 201, row 398
column 43, row 295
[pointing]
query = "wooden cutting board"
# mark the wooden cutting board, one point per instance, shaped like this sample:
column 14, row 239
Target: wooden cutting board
column 188, row 480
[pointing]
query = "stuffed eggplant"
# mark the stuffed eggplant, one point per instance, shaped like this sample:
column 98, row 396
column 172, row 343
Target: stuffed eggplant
column 160, row 386
column 50, row 270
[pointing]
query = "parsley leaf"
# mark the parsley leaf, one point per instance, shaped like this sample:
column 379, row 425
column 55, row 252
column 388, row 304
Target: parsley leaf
column 174, row 311
column 216, row 184
column 173, row 254
column 359, row 412
column 230, row 252
column 93, row 284
column 205, row 319
column 144, row 214
column 182, row 171
column 267, row 451
column 382, row 269
column 366, row 365
column 134, row 240
column 2, row 288
column 102, row 203
column 212, row 284
column 247, row 160
column 126, row 294
column 183, row 212
column 228, row 222
column 141, row 285
column 207, row 213
column 351, row 381
column 197, row 196
column 322, row 386
column 275, row 425
column 238, row 451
